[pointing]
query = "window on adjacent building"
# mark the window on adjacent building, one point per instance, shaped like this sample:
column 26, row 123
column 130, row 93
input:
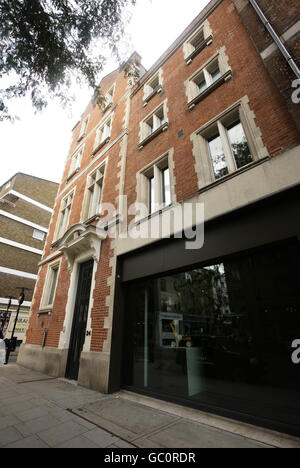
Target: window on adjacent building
column 229, row 149
column 94, row 192
column 39, row 235
column 64, row 215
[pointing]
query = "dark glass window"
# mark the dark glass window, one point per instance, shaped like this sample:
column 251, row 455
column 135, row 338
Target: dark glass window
column 220, row 335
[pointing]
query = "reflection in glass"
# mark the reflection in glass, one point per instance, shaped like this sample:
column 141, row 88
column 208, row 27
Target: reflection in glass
column 220, row 335
column 218, row 157
column 202, row 86
column 152, row 195
column 166, row 190
column 216, row 74
column 239, row 145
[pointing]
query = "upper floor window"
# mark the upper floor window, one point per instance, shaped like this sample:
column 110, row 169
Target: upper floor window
column 102, row 135
column 50, row 286
column 208, row 76
column 153, row 87
column 197, row 42
column 39, row 235
column 83, row 128
column 229, row 149
column 64, row 215
column 109, row 98
column 228, row 144
column 159, row 188
column 75, row 163
column 94, row 192
column 207, row 79
column 153, row 125
column 155, row 186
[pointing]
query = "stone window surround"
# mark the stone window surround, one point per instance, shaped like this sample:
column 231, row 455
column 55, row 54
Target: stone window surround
column 191, row 89
column 99, row 144
column 83, row 128
column 84, row 210
column 75, row 168
column 58, row 224
column 110, row 92
column 203, row 165
column 189, row 50
column 144, row 135
column 47, row 308
column 142, row 184
column 149, row 91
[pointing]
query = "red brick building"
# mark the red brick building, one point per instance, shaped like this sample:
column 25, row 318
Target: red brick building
column 211, row 323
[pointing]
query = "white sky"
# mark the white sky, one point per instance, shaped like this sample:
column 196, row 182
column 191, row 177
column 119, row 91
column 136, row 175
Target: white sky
column 38, row 144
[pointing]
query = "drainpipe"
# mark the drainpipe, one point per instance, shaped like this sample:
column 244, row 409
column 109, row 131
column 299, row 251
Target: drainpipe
column 291, row 62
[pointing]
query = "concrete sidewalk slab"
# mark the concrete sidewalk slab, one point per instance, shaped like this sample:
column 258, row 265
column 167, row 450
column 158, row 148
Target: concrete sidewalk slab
column 151, row 428
column 41, row 412
column 34, row 413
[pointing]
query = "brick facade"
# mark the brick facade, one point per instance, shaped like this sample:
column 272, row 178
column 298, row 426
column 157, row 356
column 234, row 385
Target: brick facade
column 239, row 39
column 284, row 18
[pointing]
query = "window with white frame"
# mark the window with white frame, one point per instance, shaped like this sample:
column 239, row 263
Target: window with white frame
column 197, row 42
column 50, row 286
column 152, row 87
column 83, row 128
column 94, row 192
column 39, row 235
column 64, row 215
column 198, row 39
column 102, row 134
column 75, row 162
column 208, row 76
column 228, row 146
column 153, row 125
column 155, row 121
column 157, row 186
column 109, row 98
column 207, row 79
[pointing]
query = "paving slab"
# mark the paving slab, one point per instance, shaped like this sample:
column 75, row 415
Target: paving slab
column 35, row 412
column 151, row 428
column 125, row 419
column 187, row 434
column 38, row 412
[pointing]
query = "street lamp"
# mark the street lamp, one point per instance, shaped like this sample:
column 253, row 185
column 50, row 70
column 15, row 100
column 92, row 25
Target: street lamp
column 6, row 313
column 12, row 342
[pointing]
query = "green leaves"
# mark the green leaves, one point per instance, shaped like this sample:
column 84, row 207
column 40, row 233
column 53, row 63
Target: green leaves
column 44, row 44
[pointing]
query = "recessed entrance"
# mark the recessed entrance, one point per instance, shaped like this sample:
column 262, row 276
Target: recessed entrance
column 80, row 319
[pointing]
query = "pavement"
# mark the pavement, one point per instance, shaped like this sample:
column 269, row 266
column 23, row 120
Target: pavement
column 37, row 411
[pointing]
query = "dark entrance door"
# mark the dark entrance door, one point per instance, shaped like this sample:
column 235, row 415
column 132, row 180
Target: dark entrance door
column 79, row 320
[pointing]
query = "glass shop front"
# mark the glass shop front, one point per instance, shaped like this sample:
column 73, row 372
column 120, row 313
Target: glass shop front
column 219, row 336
